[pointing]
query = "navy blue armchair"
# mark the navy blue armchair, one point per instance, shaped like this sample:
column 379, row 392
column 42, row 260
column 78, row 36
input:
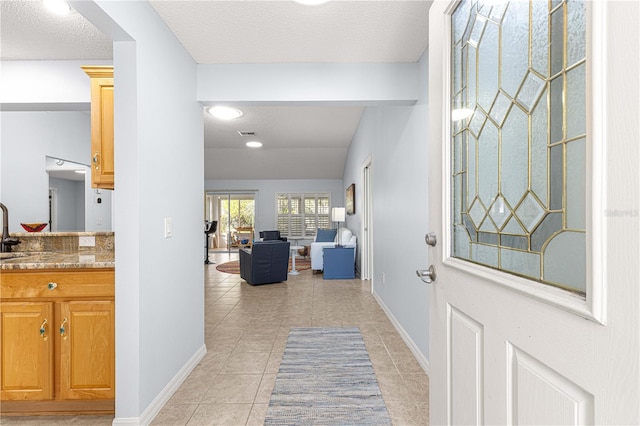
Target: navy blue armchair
column 266, row 262
column 271, row 235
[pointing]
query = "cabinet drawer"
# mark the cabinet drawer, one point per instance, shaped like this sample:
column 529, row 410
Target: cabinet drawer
column 54, row 283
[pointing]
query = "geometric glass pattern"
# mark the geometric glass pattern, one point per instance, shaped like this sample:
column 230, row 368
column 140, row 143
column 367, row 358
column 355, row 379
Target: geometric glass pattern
column 529, row 212
column 500, row 107
column 499, row 212
column 531, row 90
column 476, row 212
column 477, row 120
column 518, row 179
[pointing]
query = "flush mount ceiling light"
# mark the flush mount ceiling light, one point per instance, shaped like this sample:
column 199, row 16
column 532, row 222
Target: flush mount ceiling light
column 225, row 112
column 59, row 7
column 254, row 144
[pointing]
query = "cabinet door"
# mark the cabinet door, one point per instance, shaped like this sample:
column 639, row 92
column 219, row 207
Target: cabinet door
column 102, row 170
column 338, row 263
column 26, row 354
column 87, row 350
column 102, row 161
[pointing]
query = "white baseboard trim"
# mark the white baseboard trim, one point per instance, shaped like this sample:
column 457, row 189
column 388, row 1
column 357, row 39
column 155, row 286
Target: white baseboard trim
column 163, row 397
column 422, row 360
column 129, row 421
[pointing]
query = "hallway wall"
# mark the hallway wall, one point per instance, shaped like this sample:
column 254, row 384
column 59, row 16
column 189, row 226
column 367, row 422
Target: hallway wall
column 159, row 280
column 395, row 137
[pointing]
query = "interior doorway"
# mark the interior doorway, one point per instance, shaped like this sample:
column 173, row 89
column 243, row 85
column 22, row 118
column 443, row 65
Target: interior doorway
column 235, row 213
column 366, row 272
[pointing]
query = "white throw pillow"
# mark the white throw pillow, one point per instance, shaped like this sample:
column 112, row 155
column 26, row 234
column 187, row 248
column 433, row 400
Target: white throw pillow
column 346, row 236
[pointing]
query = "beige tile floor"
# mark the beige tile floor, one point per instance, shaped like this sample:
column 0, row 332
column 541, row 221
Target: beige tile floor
column 246, row 331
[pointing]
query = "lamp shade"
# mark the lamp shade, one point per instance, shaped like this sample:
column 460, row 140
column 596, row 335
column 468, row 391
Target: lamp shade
column 338, row 214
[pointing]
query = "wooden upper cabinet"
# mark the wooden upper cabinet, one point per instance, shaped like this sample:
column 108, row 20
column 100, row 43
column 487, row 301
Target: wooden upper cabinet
column 102, row 163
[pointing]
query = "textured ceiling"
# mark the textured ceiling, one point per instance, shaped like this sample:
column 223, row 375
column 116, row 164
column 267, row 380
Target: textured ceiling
column 30, row 32
column 299, row 142
column 285, row 31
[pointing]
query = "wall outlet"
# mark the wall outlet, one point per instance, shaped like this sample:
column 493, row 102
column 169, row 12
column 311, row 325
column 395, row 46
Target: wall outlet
column 383, row 278
column 168, row 227
column 86, row 241
column 83, row 258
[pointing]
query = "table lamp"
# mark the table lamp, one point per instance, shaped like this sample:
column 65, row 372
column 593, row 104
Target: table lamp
column 338, row 215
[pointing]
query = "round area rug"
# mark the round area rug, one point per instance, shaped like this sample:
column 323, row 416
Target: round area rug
column 233, row 267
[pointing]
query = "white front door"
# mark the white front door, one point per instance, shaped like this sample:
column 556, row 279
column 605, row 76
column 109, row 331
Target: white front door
column 506, row 349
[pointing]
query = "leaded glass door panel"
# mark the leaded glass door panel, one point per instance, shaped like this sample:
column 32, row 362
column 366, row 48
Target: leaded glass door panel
column 519, row 138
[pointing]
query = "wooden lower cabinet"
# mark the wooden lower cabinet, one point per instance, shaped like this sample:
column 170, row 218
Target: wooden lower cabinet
column 87, row 347
column 27, row 350
column 57, row 351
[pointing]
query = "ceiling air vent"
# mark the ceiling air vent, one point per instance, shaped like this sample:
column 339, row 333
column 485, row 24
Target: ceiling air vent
column 246, row 133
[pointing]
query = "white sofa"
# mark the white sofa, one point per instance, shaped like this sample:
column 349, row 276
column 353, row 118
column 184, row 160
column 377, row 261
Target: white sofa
column 317, row 249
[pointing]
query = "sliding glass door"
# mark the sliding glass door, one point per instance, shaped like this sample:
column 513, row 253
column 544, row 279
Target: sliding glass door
column 235, row 216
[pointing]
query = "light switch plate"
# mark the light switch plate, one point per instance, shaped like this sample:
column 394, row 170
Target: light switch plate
column 168, row 227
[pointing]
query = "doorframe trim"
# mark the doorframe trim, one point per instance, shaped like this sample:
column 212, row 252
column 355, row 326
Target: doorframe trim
column 366, row 270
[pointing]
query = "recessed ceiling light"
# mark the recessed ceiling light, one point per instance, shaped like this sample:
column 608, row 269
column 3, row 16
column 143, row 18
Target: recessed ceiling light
column 59, row 7
column 254, row 144
column 225, row 112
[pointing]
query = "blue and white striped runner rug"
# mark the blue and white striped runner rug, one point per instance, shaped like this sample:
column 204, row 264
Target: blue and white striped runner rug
column 326, row 378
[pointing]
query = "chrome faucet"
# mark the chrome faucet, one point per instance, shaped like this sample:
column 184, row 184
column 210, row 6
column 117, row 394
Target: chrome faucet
column 6, row 242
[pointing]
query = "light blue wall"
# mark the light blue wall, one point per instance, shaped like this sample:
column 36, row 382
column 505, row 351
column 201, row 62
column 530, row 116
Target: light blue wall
column 395, row 137
column 327, row 83
column 70, row 204
column 46, row 85
column 266, row 190
column 159, row 169
column 26, row 139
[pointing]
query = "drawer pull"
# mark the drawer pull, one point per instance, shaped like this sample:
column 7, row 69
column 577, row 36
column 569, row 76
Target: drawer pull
column 62, row 329
column 43, row 329
column 52, row 285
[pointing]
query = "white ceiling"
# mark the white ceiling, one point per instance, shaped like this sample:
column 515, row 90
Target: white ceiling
column 299, row 142
column 66, row 174
column 285, row 31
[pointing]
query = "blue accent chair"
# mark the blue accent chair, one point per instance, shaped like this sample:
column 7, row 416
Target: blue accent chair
column 271, row 235
column 265, row 263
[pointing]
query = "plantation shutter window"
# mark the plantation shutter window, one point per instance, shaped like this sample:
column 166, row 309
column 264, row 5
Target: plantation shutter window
column 300, row 215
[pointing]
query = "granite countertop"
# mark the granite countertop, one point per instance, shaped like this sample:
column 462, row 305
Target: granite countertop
column 60, row 250
column 63, row 234
column 60, row 260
